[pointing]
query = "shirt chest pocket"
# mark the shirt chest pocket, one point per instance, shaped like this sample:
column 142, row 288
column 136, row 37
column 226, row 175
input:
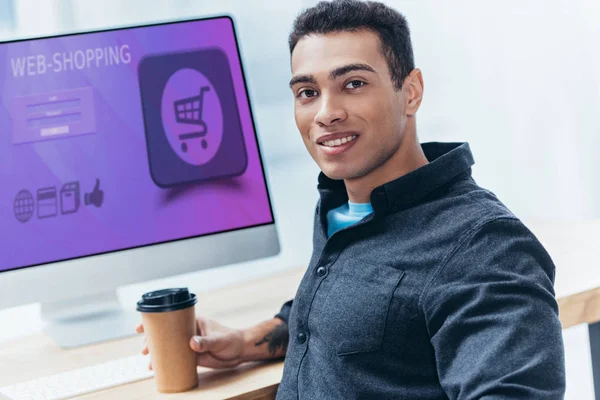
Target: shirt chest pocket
column 354, row 313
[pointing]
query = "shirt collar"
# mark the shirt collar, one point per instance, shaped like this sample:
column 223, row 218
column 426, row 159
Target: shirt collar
column 446, row 162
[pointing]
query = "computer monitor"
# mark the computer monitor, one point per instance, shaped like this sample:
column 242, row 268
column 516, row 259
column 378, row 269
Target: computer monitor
column 126, row 155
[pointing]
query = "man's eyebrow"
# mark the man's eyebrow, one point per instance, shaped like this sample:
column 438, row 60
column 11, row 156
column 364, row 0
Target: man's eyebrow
column 341, row 71
column 336, row 73
column 303, row 79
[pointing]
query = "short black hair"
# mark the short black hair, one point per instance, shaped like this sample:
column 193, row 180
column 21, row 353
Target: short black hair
column 354, row 15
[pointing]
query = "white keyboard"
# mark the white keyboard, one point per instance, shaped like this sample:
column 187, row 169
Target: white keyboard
column 81, row 381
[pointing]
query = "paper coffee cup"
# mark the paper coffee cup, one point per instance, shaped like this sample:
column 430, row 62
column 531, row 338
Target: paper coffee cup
column 169, row 320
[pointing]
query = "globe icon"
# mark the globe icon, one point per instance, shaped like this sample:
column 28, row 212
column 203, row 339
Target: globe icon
column 23, row 206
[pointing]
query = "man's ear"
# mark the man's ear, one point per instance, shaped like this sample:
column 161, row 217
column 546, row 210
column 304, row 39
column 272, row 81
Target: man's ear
column 413, row 87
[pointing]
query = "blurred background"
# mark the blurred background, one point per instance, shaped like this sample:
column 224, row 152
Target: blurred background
column 517, row 79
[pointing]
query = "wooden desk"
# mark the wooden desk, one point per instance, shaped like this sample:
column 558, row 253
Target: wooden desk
column 237, row 306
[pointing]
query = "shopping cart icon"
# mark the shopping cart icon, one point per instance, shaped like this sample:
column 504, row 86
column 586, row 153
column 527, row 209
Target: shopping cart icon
column 189, row 111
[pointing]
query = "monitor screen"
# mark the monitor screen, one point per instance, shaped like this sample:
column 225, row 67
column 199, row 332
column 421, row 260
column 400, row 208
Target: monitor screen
column 125, row 138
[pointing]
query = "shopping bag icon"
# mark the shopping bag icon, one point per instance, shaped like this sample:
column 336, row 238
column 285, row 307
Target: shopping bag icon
column 70, row 198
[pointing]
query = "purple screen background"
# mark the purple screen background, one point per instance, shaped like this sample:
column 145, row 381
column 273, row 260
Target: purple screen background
column 135, row 211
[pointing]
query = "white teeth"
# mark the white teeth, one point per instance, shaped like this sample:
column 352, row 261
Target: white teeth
column 338, row 142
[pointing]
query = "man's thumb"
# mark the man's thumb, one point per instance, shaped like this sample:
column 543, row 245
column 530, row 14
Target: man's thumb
column 204, row 343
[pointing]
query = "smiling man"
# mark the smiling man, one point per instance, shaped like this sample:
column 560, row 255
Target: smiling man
column 422, row 284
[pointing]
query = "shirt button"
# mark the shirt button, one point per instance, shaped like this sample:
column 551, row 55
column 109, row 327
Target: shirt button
column 301, row 337
column 321, row 271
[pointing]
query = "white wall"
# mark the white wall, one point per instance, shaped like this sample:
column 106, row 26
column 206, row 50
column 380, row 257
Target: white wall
column 519, row 80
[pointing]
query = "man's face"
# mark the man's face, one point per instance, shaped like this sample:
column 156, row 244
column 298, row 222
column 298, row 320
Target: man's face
column 350, row 115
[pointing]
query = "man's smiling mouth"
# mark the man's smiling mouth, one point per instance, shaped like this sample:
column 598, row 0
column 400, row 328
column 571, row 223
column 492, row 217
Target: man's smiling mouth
column 336, row 140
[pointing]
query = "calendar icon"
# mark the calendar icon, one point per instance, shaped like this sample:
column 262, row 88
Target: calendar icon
column 46, row 202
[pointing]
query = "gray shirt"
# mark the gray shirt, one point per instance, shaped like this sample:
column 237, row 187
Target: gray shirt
column 440, row 293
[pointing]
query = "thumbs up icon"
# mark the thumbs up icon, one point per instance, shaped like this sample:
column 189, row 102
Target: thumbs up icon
column 96, row 197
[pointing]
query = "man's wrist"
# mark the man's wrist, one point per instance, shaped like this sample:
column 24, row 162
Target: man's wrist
column 249, row 353
column 267, row 340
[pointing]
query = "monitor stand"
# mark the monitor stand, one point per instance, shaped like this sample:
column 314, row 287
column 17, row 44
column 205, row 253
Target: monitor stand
column 87, row 320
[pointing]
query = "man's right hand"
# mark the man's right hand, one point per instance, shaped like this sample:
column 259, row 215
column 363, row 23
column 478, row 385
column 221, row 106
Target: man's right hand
column 219, row 346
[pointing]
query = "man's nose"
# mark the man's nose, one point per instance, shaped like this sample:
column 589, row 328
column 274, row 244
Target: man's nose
column 330, row 112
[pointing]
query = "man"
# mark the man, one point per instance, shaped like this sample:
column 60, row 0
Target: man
column 421, row 285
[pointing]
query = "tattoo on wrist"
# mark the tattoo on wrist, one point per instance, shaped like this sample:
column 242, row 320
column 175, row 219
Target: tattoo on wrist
column 277, row 339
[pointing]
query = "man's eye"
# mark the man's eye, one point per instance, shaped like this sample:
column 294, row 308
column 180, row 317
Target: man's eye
column 355, row 84
column 308, row 93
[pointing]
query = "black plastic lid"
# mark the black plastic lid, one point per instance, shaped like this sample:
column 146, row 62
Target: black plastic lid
column 166, row 300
